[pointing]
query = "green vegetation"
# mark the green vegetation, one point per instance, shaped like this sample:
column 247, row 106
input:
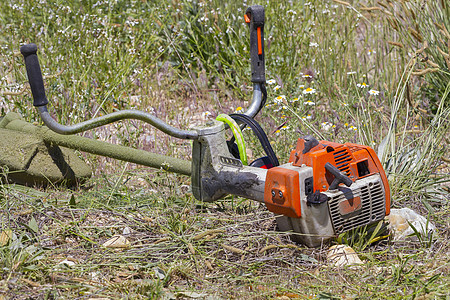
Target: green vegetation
column 370, row 72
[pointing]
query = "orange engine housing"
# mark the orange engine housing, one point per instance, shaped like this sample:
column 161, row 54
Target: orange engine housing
column 355, row 161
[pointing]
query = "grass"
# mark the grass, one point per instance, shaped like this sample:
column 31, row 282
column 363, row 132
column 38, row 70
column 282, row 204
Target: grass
column 179, row 59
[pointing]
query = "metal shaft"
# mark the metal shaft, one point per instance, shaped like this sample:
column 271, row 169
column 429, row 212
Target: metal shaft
column 141, row 157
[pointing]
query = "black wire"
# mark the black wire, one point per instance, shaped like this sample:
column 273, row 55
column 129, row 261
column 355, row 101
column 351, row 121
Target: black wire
column 260, row 134
column 264, row 99
column 263, row 102
column 257, row 130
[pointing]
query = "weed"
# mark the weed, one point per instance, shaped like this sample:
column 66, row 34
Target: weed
column 361, row 238
column 345, row 72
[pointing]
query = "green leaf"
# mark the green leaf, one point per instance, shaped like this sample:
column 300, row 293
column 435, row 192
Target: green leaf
column 33, row 225
column 31, row 268
column 72, row 201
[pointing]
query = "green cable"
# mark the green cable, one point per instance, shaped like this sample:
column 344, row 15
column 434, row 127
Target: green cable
column 237, row 135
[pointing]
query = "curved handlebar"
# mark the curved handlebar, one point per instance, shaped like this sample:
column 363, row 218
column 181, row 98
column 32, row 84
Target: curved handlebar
column 40, row 101
column 255, row 18
column 113, row 117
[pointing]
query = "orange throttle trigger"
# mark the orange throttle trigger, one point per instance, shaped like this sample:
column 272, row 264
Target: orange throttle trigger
column 247, row 18
column 258, row 33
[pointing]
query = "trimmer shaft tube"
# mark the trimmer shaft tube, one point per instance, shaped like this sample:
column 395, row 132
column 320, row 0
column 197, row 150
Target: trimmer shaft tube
column 140, row 157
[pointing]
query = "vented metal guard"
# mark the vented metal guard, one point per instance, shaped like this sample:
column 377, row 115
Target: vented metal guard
column 372, row 196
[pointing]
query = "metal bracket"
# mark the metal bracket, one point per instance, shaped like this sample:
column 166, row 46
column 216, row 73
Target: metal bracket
column 216, row 173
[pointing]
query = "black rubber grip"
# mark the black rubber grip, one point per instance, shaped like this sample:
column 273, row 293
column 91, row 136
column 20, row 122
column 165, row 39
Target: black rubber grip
column 256, row 15
column 34, row 74
column 339, row 177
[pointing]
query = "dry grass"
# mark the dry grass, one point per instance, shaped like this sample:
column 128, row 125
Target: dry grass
column 172, row 66
column 179, row 246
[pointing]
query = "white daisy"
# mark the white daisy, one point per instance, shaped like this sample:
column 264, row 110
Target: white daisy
column 326, row 126
column 239, row 110
column 362, row 85
column 280, row 99
column 309, row 91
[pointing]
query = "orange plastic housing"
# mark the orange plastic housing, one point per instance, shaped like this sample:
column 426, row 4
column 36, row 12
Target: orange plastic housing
column 282, row 192
column 356, row 161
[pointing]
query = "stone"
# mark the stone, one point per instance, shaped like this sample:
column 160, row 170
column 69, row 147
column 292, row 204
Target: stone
column 402, row 231
column 342, row 255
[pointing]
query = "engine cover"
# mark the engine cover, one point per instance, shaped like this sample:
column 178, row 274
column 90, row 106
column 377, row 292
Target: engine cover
column 299, row 191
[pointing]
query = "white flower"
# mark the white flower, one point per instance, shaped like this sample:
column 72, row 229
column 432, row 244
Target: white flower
column 351, row 73
column 374, row 92
column 239, row 109
column 306, row 76
column 276, row 88
column 362, row 85
column 302, row 86
column 313, row 44
column 353, row 128
column 308, row 117
column 327, row 126
column 295, row 99
column 285, row 127
column 280, row 99
column 271, row 81
column 309, row 91
column 206, row 114
column 309, row 102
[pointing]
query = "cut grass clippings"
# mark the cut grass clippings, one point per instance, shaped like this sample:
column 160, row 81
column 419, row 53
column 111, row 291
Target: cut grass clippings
column 374, row 73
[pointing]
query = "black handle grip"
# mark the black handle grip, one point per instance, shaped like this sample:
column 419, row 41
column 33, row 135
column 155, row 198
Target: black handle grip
column 338, row 177
column 34, row 74
column 255, row 18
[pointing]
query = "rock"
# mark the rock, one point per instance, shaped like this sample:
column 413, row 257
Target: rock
column 67, row 263
column 400, row 228
column 118, row 241
column 5, row 237
column 126, row 230
column 342, row 255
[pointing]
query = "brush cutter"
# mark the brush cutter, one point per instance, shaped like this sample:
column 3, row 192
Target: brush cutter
column 326, row 188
